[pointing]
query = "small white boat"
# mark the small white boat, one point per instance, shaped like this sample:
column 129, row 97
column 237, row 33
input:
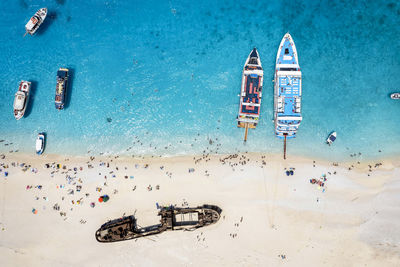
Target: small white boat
column 21, row 99
column 395, row 96
column 34, row 23
column 331, row 138
column 40, row 143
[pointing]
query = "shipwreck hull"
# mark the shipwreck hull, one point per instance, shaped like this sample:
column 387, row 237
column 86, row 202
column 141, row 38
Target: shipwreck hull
column 172, row 218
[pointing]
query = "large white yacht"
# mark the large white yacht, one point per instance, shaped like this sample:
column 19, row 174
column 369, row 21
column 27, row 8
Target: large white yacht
column 287, row 91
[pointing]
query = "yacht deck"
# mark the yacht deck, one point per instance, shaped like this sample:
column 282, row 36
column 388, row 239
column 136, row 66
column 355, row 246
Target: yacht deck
column 250, row 103
column 289, row 94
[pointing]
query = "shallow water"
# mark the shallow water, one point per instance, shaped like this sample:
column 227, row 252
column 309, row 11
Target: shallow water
column 168, row 73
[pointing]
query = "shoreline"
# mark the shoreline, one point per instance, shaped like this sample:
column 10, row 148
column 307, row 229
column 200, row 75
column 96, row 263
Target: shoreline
column 198, row 145
column 391, row 160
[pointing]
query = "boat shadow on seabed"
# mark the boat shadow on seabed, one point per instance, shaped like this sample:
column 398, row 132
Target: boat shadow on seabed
column 31, row 100
column 68, row 95
column 51, row 17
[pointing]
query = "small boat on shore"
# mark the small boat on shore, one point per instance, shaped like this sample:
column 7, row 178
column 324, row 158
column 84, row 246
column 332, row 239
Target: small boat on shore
column 21, row 99
column 61, row 90
column 331, row 138
column 40, row 140
column 251, row 93
column 34, row 23
column 395, row 96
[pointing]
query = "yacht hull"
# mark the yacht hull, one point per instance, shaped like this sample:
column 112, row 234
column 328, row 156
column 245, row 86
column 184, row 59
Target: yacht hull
column 251, row 92
column 287, row 90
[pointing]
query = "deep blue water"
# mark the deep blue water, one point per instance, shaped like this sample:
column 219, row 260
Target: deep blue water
column 168, row 73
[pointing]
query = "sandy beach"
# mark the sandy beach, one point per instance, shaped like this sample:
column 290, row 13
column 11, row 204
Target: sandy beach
column 347, row 217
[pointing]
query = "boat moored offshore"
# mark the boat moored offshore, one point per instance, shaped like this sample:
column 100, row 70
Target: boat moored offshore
column 287, row 91
column 395, row 96
column 61, row 90
column 331, row 138
column 21, row 99
column 34, row 23
column 40, row 142
column 251, row 92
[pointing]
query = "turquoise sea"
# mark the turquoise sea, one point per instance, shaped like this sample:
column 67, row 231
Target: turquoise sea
column 162, row 77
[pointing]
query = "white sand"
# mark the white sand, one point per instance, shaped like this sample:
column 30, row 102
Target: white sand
column 355, row 222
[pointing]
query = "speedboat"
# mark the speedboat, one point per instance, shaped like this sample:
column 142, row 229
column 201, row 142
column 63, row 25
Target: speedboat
column 395, row 96
column 331, row 138
column 40, row 140
column 61, row 90
column 34, row 23
column 251, row 92
column 21, row 99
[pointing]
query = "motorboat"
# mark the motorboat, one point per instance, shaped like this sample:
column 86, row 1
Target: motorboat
column 395, row 96
column 21, row 99
column 34, row 23
column 251, row 92
column 61, row 89
column 40, row 142
column 331, row 138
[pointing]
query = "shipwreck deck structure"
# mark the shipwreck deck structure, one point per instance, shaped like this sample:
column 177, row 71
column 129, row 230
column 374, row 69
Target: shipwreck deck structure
column 172, row 218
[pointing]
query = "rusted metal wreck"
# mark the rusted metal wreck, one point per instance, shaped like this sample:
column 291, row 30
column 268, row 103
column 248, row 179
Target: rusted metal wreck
column 172, row 218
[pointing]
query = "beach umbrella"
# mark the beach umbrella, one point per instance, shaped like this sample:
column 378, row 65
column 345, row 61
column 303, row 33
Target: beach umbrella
column 101, row 199
column 106, row 198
